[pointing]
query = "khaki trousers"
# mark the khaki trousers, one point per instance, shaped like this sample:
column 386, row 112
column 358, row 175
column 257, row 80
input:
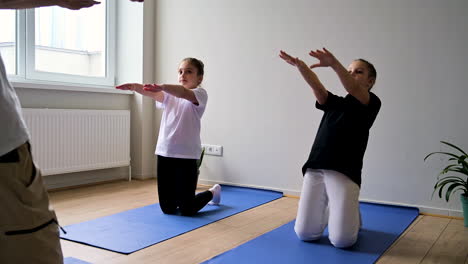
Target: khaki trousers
column 28, row 227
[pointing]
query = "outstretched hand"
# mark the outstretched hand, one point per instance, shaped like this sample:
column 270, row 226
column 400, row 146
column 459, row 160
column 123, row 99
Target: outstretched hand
column 325, row 57
column 152, row 88
column 76, row 4
column 309, row 76
column 291, row 60
column 288, row 58
column 129, row 86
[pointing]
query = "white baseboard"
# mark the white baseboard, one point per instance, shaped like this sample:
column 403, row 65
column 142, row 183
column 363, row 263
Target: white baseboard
column 143, row 176
column 284, row 191
column 84, row 178
column 422, row 209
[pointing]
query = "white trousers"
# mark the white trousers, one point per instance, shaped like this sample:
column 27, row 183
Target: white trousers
column 328, row 198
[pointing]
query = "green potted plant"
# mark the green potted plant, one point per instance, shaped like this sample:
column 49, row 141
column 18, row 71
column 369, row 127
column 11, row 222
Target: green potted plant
column 458, row 164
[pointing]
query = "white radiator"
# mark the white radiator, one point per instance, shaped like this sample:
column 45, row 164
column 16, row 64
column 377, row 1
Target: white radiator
column 70, row 140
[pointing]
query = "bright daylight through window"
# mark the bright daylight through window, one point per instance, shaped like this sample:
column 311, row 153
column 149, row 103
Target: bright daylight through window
column 71, row 42
column 60, row 45
column 8, row 39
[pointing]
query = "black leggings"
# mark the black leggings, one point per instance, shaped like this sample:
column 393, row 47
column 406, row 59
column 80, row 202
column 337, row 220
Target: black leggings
column 177, row 183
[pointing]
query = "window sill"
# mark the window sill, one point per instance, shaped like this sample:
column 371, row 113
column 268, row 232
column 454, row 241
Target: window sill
column 67, row 87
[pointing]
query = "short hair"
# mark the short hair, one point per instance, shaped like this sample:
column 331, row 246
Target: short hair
column 370, row 67
column 197, row 64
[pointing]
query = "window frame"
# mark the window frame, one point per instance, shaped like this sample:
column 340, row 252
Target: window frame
column 25, row 55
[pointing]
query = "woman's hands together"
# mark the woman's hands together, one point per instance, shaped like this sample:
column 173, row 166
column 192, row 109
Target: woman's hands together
column 130, row 86
column 153, row 88
column 137, row 87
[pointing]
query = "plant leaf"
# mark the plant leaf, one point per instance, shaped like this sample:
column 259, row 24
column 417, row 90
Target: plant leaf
column 454, row 178
column 450, row 189
column 458, row 189
column 432, row 196
column 452, row 167
column 457, row 164
column 455, row 147
column 440, row 191
column 440, row 152
column 442, row 184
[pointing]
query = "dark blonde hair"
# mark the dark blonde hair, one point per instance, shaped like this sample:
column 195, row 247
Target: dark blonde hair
column 197, row 64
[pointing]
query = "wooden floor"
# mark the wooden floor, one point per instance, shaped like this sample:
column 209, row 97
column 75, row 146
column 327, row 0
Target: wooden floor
column 428, row 240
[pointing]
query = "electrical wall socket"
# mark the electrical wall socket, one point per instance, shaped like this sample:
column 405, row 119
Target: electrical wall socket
column 213, row 150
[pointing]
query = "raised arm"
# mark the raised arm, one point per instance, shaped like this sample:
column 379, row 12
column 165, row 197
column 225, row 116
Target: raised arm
column 156, row 95
column 173, row 89
column 327, row 59
column 70, row 4
column 321, row 94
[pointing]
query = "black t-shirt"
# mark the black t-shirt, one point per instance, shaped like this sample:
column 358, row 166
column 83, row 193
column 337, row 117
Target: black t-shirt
column 342, row 135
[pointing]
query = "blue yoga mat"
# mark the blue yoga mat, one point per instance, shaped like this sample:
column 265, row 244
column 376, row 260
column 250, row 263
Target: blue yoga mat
column 72, row 260
column 382, row 225
column 135, row 229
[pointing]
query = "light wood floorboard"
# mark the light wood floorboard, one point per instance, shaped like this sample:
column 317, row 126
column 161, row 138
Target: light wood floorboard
column 415, row 243
column 452, row 245
column 428, row 240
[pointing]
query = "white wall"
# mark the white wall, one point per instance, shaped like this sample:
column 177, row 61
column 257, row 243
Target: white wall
column 263, row 113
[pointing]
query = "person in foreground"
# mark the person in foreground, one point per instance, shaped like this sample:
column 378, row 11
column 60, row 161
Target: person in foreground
column 179, row 145
column 332, row 173
column 28, row 225
column 70, row 4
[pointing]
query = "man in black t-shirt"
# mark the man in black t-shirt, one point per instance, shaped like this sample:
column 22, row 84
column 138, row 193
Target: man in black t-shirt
column 332, row 173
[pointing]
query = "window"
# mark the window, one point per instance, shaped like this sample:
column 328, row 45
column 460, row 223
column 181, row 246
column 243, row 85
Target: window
column 8, row 40
column 59, row 45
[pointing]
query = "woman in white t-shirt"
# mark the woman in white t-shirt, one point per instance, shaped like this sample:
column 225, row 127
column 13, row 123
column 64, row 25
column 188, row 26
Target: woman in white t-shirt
column 179, row 145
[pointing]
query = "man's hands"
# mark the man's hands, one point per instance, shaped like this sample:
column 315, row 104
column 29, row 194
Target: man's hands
column 76, row 4
column 69, row 4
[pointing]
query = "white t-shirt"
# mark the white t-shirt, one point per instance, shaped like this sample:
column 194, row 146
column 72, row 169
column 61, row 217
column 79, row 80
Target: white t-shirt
column 179, row 133
column 13, row 131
